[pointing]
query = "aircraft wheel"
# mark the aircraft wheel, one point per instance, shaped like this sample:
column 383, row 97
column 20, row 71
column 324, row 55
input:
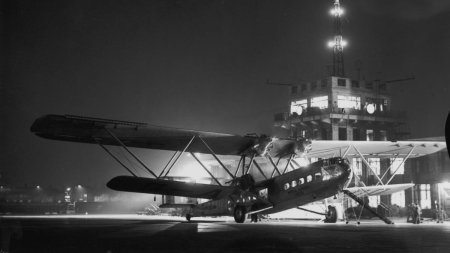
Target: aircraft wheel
column 188, row 217
column 331, row 216
column 239, row 214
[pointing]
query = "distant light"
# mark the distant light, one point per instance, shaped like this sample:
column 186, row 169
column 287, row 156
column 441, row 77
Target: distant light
column 343, row 43
column 331, row 43
column 79, row 186
column 68, row 189
column 337, row 11
column 370, row 108
column 38, row 187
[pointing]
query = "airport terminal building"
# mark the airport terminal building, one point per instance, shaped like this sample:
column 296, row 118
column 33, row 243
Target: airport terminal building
column 338, row 108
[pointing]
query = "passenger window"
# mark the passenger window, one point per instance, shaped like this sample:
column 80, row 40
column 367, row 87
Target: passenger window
column 309, row 178
column 294, row 183
column 286, row 186
column 318, row 176
column 301, row 181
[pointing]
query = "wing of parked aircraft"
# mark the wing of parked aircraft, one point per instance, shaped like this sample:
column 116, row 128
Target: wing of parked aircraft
column 142, row 135
column 381, row 149
column 169, row 187
column 378, row 189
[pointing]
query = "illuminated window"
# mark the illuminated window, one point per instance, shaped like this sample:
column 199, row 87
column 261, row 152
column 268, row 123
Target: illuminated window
column 374, row 201
column 349, row 102
column 398, row 198
column 325, row 175
column 374, row 164
column 369, row 135
column 357, row 166
column 383, row 135
column 286, row 186
column 318, row 176
column 321, row 102
column 395, row 162
column 425, row 196
column 309, row 178
column 301, row 181
column 294, row 183
column 298, row 106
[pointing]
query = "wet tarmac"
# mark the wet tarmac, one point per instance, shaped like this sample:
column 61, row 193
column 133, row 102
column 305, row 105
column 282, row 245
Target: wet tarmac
column 133, row 233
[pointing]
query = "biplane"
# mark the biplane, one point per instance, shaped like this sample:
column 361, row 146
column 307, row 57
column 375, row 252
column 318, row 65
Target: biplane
column 288, row 185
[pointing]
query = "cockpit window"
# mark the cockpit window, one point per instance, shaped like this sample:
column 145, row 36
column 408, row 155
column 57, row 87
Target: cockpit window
column 286, row 186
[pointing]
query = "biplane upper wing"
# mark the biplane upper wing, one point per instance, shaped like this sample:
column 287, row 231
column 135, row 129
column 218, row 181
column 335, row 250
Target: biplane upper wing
column 169, row 187
column 382, row 149
column 378, row 189
column 142, row 135
column 139, row 135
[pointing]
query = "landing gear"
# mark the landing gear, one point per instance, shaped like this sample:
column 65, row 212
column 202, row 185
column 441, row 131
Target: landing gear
column 331, row 216
column 239, row 214
column 188, row 217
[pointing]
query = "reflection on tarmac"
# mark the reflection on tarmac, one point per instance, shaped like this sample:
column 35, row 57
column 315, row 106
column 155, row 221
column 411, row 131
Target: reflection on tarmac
column 133, row 233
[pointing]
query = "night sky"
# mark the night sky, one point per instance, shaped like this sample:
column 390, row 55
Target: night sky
column 200, row 65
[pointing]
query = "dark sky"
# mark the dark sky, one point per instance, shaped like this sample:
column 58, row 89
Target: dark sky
column 197, row 64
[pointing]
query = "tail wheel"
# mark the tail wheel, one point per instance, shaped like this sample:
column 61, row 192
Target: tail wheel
column 331, row 216
column 239, row 214
column 188, row 217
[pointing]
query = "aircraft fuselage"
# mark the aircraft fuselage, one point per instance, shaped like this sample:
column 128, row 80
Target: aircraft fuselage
column 317, row 181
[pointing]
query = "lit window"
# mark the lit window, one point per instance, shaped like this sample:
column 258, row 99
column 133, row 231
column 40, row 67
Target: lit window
column 349, row 102
column 286, row 186
column 294, row 183
column 357, row 166
column 425, row 196
column 326, row 176
column 321, row 102
column 301, row 181
column 298, row 106
column 318, row 176
column 395, row 163
column 369, row 135
column 398, row 198
column 383, row 135
column 309, row 178
column 374, row 164
column 374, row 201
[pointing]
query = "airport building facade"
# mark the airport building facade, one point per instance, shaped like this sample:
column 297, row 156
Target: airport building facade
column 338, row 108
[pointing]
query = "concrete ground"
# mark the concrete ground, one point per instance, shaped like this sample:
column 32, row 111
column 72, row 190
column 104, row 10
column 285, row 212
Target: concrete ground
column 133, row 233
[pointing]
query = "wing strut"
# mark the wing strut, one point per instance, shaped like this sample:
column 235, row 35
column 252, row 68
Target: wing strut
column 242, row 160
column 275, row 166
column 204, row 167
column 367, row 164
column 260, row 170
column 170, row 161
column 215, row 156
column 288, row 163
column 115, row 158
column 179, row 155
column 129, row 151
column 398, row 167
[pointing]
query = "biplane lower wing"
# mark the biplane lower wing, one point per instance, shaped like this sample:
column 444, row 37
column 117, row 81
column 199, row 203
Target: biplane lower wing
column 168, row 187
column 378, row 189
